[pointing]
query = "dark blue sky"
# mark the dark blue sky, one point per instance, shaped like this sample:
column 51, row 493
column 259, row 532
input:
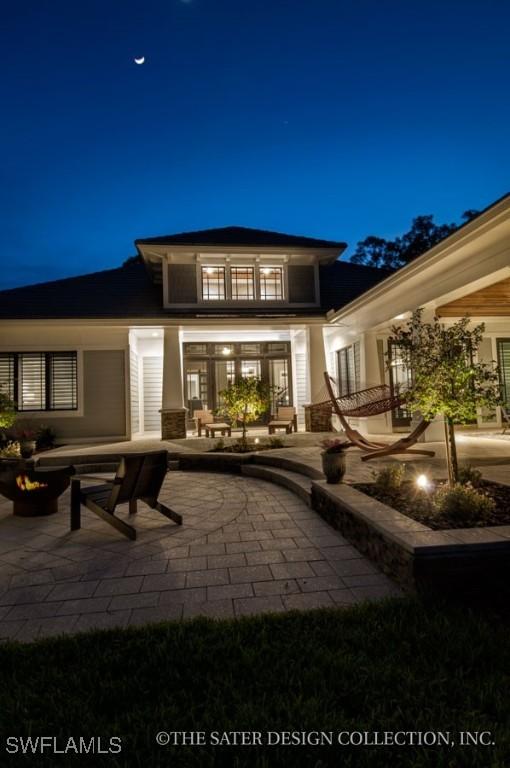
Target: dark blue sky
column 328, row 118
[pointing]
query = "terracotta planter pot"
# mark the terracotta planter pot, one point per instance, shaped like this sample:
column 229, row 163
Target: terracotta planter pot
column 333, row 466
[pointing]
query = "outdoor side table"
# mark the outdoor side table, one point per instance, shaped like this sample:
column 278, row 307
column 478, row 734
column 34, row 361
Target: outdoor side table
column 213, row 427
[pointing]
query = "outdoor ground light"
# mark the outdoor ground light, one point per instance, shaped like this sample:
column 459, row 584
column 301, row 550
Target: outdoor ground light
column 423, row 482
column 257, row 440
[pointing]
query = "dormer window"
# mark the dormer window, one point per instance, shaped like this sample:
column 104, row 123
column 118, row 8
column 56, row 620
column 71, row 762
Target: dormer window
column 271, row 283
column 242, row 283
column 213, row 283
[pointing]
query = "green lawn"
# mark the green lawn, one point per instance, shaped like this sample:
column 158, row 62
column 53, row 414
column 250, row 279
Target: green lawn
column 392, row 666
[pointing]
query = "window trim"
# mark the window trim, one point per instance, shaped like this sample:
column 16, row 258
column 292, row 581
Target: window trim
column 203, row 271
column 344, row 388
column 281, row 270
column 16, row 355
column 248, row 268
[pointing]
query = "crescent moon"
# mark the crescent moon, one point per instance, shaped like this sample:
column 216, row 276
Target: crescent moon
column 141, row 60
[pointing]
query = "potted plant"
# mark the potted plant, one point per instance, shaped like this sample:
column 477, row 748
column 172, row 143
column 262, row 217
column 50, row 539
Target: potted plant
column 25, row 436
column 333, row 459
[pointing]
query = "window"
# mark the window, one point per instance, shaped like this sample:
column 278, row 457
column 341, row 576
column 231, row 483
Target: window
column 40, row 381
column 271, row 283
column 213, row 283
column 504, row 369
column 242, row 283
column 250, row 349
column 250, row 368
column 348, row 360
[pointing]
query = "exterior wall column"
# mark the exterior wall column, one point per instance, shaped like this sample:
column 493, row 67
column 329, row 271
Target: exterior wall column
column 173, row 413
column 317, row 419
column 373, row 372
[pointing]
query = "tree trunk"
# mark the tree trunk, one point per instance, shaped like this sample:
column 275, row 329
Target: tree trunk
column 451, row 452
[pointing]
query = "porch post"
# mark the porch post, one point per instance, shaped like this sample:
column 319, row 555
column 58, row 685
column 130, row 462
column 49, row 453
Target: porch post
column 317, row 419
column 173, row 413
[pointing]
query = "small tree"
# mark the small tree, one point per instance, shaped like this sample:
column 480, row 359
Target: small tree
column 7, row 411
column 245, row 400
column 446, row 376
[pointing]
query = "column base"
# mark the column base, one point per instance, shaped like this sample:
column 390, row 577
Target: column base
column 173, row 423
column 318, row 418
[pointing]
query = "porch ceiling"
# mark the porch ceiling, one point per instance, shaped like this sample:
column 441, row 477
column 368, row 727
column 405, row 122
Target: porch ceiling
column 493, row 300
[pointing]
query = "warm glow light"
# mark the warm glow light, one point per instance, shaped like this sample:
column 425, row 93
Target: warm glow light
column 423, row 482
column 225, row 351
column 209, row 270
column 257, row 441
column 266, row 271
column 399, row 317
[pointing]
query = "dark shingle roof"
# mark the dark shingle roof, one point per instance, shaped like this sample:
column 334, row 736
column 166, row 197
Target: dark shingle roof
column 124, row 292
column 240, row 236
column 128, row 292
column 342, row 282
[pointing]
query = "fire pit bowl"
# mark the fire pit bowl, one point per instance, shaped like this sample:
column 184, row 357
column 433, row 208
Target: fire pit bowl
column 34, row 492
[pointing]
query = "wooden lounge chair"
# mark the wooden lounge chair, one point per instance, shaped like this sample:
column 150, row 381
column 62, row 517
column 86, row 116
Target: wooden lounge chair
column 286, row 418
column 205, row 420
column 139, row 477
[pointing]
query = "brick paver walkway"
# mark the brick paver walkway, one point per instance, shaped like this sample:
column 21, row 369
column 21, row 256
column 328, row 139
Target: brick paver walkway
column 246, row 546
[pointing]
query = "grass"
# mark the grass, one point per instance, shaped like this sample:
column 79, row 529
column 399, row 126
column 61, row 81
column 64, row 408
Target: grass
column 397, row 665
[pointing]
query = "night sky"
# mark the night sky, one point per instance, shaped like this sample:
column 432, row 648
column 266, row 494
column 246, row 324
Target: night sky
column 327, row 118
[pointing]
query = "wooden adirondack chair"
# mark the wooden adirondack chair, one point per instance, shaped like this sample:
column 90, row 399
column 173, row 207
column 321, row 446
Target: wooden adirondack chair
column 139, row 477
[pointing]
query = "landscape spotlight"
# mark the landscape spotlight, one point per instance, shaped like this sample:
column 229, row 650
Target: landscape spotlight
column 423, row 482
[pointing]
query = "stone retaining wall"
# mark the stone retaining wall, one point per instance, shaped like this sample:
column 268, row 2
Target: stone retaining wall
column 461, row 561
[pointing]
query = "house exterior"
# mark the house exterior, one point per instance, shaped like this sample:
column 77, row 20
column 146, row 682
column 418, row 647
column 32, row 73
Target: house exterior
column 136, row 350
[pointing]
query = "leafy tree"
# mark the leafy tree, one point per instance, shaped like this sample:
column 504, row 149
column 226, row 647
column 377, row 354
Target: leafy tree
column 7, row 411
column 446, row 376
column 393, row 254
column 245, row 400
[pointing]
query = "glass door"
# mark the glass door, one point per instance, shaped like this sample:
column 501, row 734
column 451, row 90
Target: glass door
column 279, row 383
column 250, row 368
column 225, row 373
column 196, row 386
column 400, row 379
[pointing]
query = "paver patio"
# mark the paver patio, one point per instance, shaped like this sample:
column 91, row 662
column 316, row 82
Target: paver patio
column 246, row 546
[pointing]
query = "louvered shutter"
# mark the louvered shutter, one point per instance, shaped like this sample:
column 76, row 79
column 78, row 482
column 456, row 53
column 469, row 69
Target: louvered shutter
column 7, row 363
column 32, row 381
column 63, row 389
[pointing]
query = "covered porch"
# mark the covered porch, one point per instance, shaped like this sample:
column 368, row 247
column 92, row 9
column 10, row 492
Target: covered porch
column 175, row 371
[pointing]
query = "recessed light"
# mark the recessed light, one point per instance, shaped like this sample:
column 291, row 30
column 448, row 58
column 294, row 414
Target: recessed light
column 155, row 334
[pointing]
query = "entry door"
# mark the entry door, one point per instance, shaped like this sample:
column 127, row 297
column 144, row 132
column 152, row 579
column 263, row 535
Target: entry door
column 152, row 393
column 400, row 378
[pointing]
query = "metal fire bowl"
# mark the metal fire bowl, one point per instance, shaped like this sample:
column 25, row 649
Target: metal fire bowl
column 34, row 492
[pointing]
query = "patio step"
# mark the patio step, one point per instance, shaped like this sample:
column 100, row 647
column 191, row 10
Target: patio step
column 301, row 486
column 268, row 459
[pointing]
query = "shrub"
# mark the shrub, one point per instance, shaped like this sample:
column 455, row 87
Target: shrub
column 45, row 437
column 463, row 504
column 389, row 479
column 470, row 475
column 276, row 442
column 10, row 451
column 7, row 411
